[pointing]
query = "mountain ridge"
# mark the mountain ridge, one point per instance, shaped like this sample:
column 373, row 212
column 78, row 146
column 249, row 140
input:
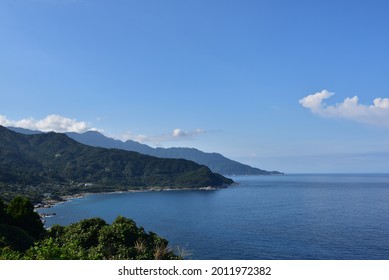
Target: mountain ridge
column 55, row 163
column 215, row 161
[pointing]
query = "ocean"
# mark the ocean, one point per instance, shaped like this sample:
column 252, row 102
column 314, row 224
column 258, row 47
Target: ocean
column 297, row 216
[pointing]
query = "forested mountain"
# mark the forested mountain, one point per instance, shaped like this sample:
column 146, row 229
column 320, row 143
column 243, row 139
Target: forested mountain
column 53, row 162
column 215, row 161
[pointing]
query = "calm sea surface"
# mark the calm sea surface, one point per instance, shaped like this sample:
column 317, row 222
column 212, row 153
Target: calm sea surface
column 264, row 217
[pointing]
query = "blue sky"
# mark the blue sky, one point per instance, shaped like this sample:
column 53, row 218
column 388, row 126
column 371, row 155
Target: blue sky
column 295, row 86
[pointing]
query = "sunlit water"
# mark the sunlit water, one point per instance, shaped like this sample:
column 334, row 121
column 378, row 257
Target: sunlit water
column 264, row 217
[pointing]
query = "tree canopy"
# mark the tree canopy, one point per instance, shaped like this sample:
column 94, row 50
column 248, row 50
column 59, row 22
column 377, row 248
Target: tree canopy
column 23, row 237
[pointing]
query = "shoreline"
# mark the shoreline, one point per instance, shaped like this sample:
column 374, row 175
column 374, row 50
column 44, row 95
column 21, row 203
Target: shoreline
column 49, row 203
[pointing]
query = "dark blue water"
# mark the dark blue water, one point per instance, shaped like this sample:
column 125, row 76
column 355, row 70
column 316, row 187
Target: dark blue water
column 276, row 217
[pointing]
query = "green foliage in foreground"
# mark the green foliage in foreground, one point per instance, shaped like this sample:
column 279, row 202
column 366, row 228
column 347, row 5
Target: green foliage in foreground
column 90, row 239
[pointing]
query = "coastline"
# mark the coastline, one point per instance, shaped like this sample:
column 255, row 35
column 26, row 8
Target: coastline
column 49, row 203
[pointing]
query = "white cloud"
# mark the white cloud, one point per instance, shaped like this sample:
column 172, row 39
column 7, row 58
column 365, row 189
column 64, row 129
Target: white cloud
column 55, row 123
column 314, row 101
column 375, row 114
column 381, row 103
column 176, row 135
column 130, row 136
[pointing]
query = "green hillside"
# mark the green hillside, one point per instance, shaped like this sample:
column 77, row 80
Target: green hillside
column 52, row 164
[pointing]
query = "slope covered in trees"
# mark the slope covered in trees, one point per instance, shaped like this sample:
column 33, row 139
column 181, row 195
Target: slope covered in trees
column 22, row 236
column 55, row 164
column 215, row 161
column 20, row 226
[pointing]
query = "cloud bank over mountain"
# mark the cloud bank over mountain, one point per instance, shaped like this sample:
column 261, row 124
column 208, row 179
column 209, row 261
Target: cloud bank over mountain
column 53, row 122
column 62, row 124
column 175, row 135
column 375, row 114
